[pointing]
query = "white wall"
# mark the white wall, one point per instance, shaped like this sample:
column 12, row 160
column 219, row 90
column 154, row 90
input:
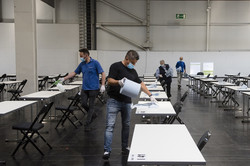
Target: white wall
column 229, row 25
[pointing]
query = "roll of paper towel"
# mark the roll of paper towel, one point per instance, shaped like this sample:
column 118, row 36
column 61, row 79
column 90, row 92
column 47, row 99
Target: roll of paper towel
column 130, row 88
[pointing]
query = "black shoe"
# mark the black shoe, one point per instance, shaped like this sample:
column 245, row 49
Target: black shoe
column 168, row 99
column 106, row 155
column 125, row 151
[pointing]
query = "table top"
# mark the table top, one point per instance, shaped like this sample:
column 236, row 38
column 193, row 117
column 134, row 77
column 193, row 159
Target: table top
column 10, row 82
column 246, row 93
column 208, row 80
column 9, row 106
column 66, row 87
column 157, row 88
column 151, row 82
column 164, row 144
column 41, row 95
column 246, row 77
column 223, row 83
column 157, row 95
column 162, row 108
column 238, row 88
column 75, row 83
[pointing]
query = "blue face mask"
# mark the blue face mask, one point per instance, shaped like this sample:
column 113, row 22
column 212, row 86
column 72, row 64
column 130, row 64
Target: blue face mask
column 82, row 59
column 130, row 66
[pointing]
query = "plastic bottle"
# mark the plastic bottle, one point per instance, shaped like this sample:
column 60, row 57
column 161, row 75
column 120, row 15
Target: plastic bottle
column 59, row 86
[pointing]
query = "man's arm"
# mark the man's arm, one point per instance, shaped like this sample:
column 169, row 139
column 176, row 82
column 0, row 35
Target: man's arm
column 112, row 81
column 103, row 78
column 70, row 75
column 145, row 89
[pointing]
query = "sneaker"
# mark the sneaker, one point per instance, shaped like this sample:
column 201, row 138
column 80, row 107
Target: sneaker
column 125, row 151
column 106, row 155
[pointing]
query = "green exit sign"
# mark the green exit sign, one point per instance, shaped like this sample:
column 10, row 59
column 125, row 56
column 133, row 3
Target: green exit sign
column 180, row 16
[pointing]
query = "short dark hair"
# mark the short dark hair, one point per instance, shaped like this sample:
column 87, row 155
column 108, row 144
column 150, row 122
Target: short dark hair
column 131, row 55
column 84, row 50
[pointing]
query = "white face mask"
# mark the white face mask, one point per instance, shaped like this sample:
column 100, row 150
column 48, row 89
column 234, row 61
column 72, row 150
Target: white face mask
column 82, row 59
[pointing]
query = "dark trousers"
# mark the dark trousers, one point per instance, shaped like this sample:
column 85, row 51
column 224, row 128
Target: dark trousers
column 88, row 102
column 168, row 87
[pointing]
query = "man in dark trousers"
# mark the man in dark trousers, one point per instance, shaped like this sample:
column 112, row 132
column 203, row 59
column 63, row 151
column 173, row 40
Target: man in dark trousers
column 90, row 69
column 164, row 74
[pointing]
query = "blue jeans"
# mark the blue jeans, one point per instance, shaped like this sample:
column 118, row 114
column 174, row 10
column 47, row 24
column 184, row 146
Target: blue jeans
column 113, row 108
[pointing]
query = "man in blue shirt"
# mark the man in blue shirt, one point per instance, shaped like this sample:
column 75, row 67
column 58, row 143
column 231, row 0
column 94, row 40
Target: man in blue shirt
column 180, row 69
column 90, row 69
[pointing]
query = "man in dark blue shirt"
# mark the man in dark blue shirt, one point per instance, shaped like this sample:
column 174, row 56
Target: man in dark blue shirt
column 90, row 69
column 180, row 69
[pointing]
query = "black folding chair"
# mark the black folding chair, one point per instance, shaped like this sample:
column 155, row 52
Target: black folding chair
column 3, row 77
column 177, row 107
column 42, row 83
column 16, row 92
column 68, row 112
column 208, row 75
column 77, row 103
column 203, row 140
column 200, row 73
column 28, row 129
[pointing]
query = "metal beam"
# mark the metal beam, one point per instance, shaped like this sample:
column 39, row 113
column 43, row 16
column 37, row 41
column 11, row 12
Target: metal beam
column 122, row 11
column 121, row 37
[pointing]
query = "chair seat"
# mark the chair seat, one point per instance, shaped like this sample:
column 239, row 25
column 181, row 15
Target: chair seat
column 14, row 91
column 72, row 108
column 26, row 126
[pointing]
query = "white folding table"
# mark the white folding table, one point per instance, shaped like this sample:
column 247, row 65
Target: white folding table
column 75, row 83
column 157, row 96
column 155, row 88
column 163, row 108
column 164, row 144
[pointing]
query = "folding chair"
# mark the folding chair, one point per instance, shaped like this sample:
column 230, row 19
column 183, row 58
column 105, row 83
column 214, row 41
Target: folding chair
column 77, row 103
column 68, row 112
column 208, row 75
column 42, row 83
column 16, row 92
column 203, row 140
column 170, row 119
column 28, row 129
column 3, row 77
column 177, row 107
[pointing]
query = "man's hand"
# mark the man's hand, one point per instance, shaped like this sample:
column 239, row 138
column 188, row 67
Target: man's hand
column 121, row 82
column 152, row 99
column 61, row 80
column 102, row 89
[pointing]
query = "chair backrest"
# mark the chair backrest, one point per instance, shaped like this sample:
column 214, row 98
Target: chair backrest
column 215, row 76
column 200, row 73
column 43, row 82
column 237, row 83
column 208, row 75
column 238, row 74
column 203, row 140
column 44, row 111
column 184, row 96
column 225, row 79
column 21, row 85
column 75, row 100
column 3, row 77
column 61, row 76
column 248, row 75
column 1, row 87
column 41, row 115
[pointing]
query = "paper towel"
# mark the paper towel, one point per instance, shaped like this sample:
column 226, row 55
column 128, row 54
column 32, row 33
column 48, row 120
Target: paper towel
column 130, row 88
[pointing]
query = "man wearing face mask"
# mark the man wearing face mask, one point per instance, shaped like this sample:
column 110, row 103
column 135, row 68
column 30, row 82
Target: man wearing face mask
column 164, row 74
column 90, row 69
column 117, row 102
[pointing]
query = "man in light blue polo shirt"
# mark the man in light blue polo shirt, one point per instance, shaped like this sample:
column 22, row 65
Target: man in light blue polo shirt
column 90, row 69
